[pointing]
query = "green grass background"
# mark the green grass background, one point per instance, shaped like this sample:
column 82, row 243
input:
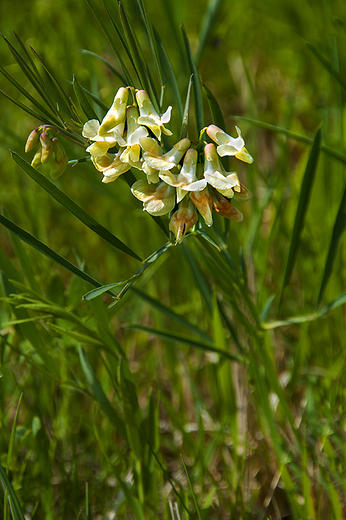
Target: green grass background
column 127, row 412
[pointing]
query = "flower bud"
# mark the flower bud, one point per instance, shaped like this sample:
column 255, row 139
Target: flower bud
column 47, row 150
column 203, row 200
column 226, row 209
column 32, row 140
column 183, row 220
column 60, row 159
column 36, row 162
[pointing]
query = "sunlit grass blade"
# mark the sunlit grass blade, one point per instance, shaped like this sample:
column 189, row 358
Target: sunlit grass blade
column 105, row 288
column 108, row 64
column 292, row 135
column 338, row 229
column 208, row 21
column 99, row 395
column 294, row 320
column 196, row 84
column 83, row 100
column 111, row 42
column 167, row 311
column 303, row 203
column 169, row 76
column 14, row 503
column 191, row 490
column 72, row 207
column 47, row 251
column 152, row 40
column 327, row 65
column 137, row 56
column 185, row 120
column 185, row 340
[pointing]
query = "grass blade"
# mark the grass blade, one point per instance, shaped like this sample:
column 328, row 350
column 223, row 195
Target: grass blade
column 13, row 435
column 303, row 203
column 152, row 40
column 170, row 77
column 108, row 64
column 340, row 300
column 185, row 119
column 328, row 66
column 15, row 506
column 338, row 229
column 196, row 84
column 99, row 394
column 191, row 490
column 207, row 24
column 72, row 207
column 180, row 338
column 82, row 99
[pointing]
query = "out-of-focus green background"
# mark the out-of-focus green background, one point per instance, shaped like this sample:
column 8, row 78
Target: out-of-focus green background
column 262, row 61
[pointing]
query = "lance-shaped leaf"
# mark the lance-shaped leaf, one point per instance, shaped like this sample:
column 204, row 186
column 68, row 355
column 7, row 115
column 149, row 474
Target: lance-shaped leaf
column 196, row 84
column 207, row 25
column 108, row 64
column 72, row 207
column 338, row 229
column 185, row 121
column 303, row 204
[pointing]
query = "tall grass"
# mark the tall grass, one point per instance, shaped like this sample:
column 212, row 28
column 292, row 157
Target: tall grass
column 215, row 387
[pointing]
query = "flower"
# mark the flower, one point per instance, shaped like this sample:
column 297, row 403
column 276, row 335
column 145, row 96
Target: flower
column 111, row 166
column 116, row 114
column 226, row 209
column 228, row 145
column 150, row 118
column 186, row 180
column 225, row 183
column 91, row 131
column 156, row 159
column 203, row 200
column 134, row 132
column 183, row 220
column 158, row 199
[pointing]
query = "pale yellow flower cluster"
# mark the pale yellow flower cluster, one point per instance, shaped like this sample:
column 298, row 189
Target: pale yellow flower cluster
column 181, row 177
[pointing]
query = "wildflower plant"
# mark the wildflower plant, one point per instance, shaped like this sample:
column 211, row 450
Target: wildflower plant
column 162, row 136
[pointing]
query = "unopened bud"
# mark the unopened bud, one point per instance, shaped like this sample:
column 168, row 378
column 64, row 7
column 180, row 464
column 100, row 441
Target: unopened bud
column 203, row 201
column 32, row 140
column 36, row 162
column 47, row 150
column 226, row 209
column 60, row 160
column 183, row 220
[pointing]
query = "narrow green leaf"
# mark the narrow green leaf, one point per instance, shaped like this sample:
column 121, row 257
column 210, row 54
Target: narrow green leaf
column 180, row 338
column 137, row 56
column 196, row 84
column 151, row 38
column 199, row 277
column 338, row 229
column 328, row 66
column 72, row 207
column 94, row 293
column 36, row 81
column 191, row 490
column 209, row 18
column 215, row 109
column 83, row 101
column 303, row 203
column 47, row 251
column 292, row 135
column 28, row 96
column 111, row 42
column 294, row 320
column 12, row 437
column 267, row 307
column 15, row 506
column 167, row 311
column 185, row 120
column 29, row 111
column 108, row 64
column 169, row 76
column 340, row 300
column 99, row 394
